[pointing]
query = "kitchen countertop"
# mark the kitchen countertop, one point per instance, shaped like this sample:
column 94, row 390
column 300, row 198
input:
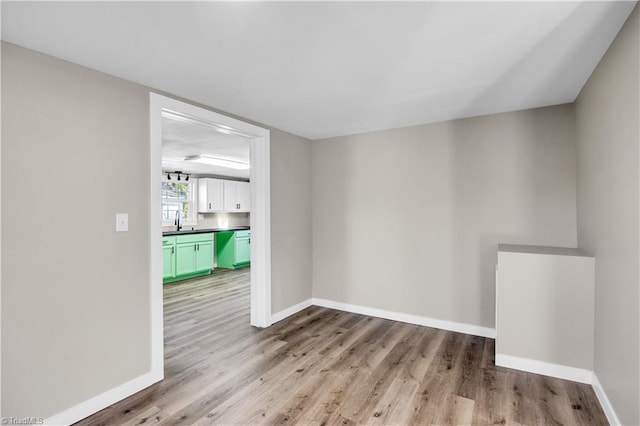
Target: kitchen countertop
column 203, row 231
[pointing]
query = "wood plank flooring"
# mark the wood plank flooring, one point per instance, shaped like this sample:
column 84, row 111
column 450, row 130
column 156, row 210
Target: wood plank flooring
column 327, row 367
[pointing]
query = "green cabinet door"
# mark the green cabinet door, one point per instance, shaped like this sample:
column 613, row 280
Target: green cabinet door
column 185, row 258
column 243, row 251
column 168, row 261
column 204, row 256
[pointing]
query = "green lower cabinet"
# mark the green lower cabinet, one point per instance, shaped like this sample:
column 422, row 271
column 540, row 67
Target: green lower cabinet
column 168, row 258
column 243, row 251
column 233, row 249
column 204, row 256
column 193, row 257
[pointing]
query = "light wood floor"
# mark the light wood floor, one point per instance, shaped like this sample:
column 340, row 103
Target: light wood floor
column 327, row 367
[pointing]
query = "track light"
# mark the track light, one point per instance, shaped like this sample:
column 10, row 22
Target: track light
column 179, row 176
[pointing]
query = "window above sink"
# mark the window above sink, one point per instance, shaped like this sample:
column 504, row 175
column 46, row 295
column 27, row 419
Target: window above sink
column 179, row 196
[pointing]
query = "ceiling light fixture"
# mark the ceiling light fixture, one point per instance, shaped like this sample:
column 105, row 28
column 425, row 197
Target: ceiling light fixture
column 220, row 162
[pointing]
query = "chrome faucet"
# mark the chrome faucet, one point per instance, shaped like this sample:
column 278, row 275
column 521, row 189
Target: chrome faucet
column 177, row 221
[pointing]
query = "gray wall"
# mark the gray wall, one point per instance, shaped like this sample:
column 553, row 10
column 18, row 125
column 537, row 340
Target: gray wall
column 75, row 305
column 75, row 311
column 290, row 220
column 607, row 114
column 409, row 219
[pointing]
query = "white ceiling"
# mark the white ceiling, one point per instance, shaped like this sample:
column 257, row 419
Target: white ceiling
column 181, row 140
column 320, row 69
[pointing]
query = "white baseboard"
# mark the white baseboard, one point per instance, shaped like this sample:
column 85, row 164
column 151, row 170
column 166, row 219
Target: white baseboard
column 562, row 372
column 105, row 399
column 458, row 327
column 612, row 417
column 279, row 316
column 545, row 368
column 97, row 403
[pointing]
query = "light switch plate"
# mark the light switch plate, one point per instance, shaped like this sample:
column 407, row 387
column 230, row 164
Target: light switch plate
column 122, row 222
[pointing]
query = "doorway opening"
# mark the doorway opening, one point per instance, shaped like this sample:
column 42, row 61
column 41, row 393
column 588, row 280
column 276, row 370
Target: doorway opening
column 258, row 139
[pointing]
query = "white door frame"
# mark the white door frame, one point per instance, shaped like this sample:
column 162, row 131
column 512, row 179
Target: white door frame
column 260, row 218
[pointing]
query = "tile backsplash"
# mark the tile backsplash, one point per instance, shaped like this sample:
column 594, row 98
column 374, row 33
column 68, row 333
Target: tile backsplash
column 223, row 220
column 217, row 220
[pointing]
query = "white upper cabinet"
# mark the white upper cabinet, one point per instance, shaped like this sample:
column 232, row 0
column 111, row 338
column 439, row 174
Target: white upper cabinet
column 219, row 195
column 210, row 195
column 237, row 196
column 244, row 196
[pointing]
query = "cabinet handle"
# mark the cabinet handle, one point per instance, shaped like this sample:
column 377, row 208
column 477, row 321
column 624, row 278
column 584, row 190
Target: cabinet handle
column 172, row 248
column 209, row 206
column 195, row 247
column 249, row 240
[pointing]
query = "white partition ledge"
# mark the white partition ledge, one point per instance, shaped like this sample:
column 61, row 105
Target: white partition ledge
column 554, row 251
column 545, row 308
